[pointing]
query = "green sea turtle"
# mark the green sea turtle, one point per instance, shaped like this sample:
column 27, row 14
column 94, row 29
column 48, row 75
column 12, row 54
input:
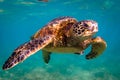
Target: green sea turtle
column 63, row 35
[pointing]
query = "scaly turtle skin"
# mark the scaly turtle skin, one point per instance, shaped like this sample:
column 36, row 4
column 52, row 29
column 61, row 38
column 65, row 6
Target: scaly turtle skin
column 64, row 35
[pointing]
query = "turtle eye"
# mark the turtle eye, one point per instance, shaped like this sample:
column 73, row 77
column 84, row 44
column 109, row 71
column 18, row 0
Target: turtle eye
column 86, row 25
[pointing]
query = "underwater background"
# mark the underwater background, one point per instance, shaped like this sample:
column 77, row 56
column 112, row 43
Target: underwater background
column 20, row 19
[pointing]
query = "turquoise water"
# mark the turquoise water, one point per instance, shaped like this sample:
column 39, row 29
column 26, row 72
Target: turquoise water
column 19, row 19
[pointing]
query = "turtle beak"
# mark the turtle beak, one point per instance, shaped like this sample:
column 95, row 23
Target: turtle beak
column 93, row 26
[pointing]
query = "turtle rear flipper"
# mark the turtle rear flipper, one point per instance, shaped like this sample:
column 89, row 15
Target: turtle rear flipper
column 98, row 46
column 46, row 56
column 26, row 50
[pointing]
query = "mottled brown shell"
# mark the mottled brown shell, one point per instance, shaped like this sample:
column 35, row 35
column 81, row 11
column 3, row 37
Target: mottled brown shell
column 55, row 27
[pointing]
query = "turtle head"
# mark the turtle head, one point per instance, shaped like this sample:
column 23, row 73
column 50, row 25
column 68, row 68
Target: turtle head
column 85, row 29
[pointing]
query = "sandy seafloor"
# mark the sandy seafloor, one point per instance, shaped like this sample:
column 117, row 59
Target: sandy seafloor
column 19, row 19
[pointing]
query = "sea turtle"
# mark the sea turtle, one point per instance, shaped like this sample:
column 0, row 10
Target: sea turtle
column 63, row 35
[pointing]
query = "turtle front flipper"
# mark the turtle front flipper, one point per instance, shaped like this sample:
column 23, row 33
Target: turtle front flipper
column 98, row 46
column 46, row 56
column 26, row 50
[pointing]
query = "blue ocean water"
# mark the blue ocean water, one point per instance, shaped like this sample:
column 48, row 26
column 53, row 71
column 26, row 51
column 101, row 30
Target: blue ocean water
column 20, row 19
